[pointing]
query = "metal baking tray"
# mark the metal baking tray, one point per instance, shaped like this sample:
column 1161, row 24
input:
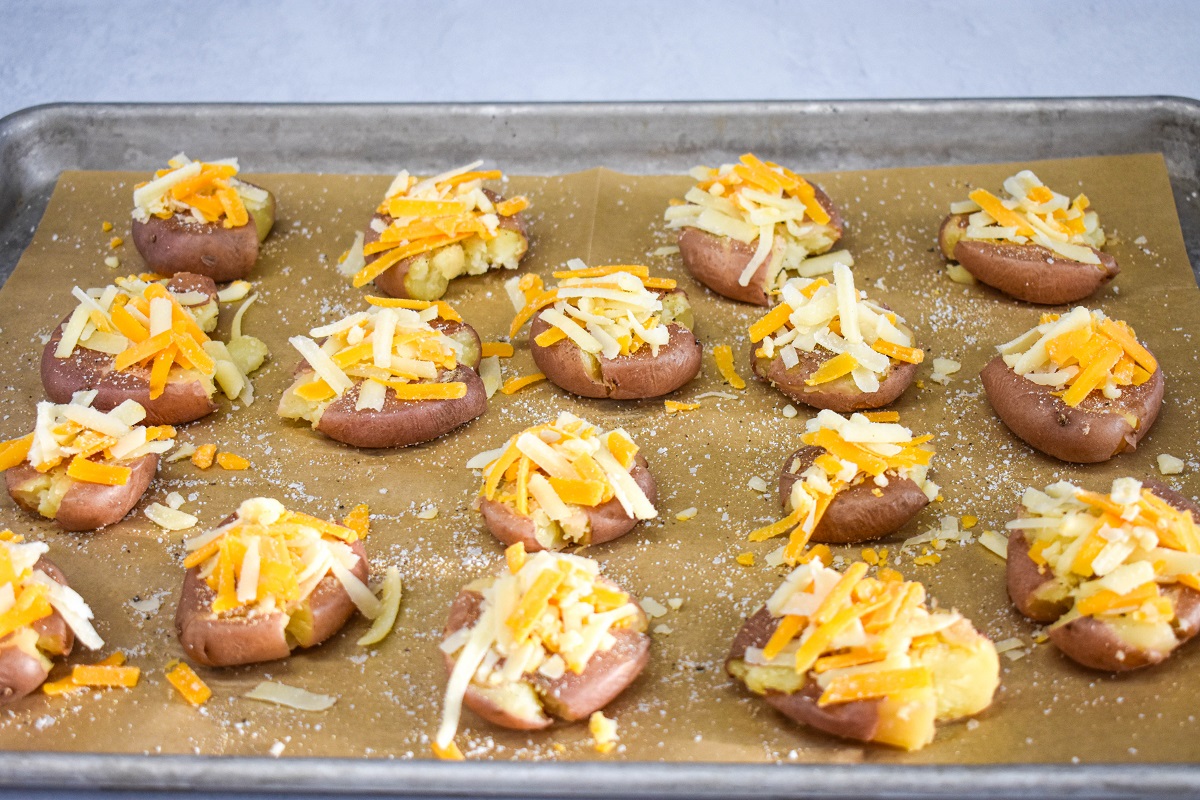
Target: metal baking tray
column 37, row 144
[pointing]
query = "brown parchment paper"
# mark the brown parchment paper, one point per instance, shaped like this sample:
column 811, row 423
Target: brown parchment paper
column 683, row 707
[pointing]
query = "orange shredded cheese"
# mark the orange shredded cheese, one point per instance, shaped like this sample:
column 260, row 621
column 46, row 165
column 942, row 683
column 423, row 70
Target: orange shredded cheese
column 205, row 192
column 675, row 407
column 359, row 520
column 723, row 355
column 553, row 471
column 1032, row 213
column 425, row 216
column 854, row 336
column 514, row 385
column 852, row 451
column 609, row 311
column 500, row 349
column 262, row 557
column 547, row 612
column 232, row 461
column 204, row 456
column 188, row 684
column 1113, row 553
column 759, row 203
column 1081, row 353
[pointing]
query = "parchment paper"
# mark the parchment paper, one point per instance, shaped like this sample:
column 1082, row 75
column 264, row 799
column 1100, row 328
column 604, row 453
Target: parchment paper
column 683, row 707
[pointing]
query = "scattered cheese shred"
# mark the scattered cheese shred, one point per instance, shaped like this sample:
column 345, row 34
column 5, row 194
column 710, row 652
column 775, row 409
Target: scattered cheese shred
column 389, row 607
column 282, row 694
column 514, row 385
column 500, row 349
column 604, row 732
column 188, row 684
column 204, row 455
column 674, row 406
column 723, row 354
column 232, row 461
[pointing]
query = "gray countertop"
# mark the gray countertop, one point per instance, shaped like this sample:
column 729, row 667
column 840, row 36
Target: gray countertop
column 471, row 50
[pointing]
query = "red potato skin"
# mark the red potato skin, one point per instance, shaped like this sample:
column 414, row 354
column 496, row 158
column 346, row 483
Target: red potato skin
column 856, row 514
column 401, row 422
column 231, row 640
column 840, row 395
column 571, row 697
column 391, row 281
column 88, row 506
column 1028, row 272
column 858, row 720
column 179, row 244
column 636, row 376
column 1024, row 578
column 718, row 261
column 1094, row 431
column 1087, row 640
column 181, row 401
column 21, row 673
column 608, row 520
column 1094, row 643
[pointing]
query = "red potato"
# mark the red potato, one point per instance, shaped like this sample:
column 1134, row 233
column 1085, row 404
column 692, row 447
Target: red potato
column 965, row 672
column 1095, row 430
column 856, row 514
column 1028, row 272
column 428, row 275
column 1112, row 647
column 81, row 506
column 22, row 672
column 532, row 704
column 224, row 641
column 1109, row 645
column 857, row 720
column 180, row 244
column 401, row 422
column 1033, row 589
column 718, row 261
column 636, row 376
column 606, row 522
column 186, row 397
column 841, row 395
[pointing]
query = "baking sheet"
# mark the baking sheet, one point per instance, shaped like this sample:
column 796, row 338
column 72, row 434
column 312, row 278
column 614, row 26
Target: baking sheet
column 683, row 707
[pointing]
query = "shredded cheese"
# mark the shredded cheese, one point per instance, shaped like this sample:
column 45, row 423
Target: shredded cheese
column 204, row 192
column 548, row 613
column 553, row 471
column 144, row 326
column 269, row 558
column 1032, row 213
column 861, row 638
column 77, row 441
column 855, row 337
column 392, row 348
column 282, row 694
column 1080, row 353
column 607, row 311
column 420, row 217
column 852, row 451
column 1114, row 555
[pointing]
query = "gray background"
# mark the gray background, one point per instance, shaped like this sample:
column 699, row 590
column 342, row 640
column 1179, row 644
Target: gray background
column 473, row 50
